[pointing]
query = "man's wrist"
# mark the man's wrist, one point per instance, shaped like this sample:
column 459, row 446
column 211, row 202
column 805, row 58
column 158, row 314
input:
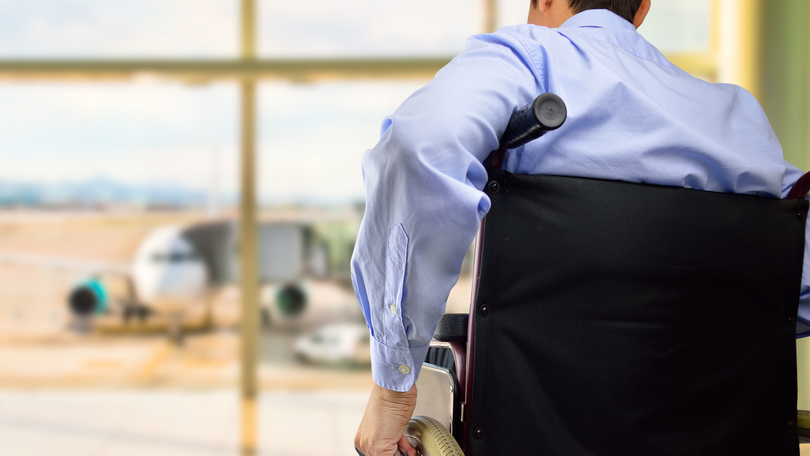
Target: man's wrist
column 399, row 396
column 398, row 405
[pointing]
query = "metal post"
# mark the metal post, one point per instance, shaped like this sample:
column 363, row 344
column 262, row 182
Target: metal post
column 786, row 99
column 248, row 255
column 740, row 43
column 750, row 45
column 490, row 15
column 786, row 62
column 715, row 24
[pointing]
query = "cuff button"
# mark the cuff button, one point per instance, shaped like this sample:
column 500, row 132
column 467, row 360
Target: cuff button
column 404, row 370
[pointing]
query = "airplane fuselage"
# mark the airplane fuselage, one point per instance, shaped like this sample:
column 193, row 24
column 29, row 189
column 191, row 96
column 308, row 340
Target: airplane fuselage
column 168, row 274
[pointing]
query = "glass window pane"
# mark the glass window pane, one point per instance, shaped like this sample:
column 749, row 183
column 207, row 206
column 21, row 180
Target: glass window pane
column 117, row 137
column 511, row 12
column 366, row 27
column 312, row 137
column 120, row 28
column 679, row 25
column 87, row 172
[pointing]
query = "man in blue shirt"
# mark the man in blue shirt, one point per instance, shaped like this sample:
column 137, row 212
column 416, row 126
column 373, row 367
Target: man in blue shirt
column 632, row 116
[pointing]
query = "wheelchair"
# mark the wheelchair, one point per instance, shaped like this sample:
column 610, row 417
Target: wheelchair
column 616, row 318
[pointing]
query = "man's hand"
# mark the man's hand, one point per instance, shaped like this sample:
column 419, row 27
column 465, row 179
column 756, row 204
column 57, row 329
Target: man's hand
column 387, row 414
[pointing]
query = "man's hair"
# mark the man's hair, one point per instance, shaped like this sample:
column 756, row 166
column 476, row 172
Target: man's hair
column 624, row 8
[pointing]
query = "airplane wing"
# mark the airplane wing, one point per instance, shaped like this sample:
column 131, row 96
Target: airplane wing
column 66, row 264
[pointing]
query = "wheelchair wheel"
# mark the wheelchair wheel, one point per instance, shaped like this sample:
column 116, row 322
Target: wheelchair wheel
column 431, row 438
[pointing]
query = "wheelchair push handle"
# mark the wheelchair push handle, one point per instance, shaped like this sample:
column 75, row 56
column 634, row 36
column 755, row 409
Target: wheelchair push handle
column 547, row 112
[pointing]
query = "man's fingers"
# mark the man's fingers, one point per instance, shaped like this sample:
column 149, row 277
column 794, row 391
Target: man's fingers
column 405, row 446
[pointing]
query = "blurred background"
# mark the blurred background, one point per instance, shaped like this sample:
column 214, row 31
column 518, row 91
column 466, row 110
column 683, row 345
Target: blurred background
column 136, row 134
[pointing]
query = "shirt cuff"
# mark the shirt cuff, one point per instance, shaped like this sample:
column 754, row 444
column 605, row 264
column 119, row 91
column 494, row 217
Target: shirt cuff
column 394, row 368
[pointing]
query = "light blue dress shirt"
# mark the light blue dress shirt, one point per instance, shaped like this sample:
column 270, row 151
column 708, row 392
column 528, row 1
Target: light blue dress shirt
column 632, row 116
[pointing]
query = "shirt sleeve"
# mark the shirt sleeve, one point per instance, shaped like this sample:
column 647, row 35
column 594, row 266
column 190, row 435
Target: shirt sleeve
column 424, row 201
column 792, row 174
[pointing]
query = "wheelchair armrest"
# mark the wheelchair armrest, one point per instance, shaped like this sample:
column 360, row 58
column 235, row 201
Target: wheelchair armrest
column 452, row 328
column 452, row 334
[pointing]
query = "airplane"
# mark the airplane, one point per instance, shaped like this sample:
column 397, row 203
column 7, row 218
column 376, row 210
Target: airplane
column 178, row 267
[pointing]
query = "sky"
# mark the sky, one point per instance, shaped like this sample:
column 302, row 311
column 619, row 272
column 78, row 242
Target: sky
column 311, row 136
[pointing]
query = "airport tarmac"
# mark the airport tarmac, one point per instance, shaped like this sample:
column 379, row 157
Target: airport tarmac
column 51, row 356
column 175, row 423
column 38, row 352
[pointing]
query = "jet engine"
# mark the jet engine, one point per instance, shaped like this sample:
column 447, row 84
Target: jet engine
column 291, row 300
column 88, row 298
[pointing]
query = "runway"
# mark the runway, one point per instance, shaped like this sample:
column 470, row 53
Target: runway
column 175, row 423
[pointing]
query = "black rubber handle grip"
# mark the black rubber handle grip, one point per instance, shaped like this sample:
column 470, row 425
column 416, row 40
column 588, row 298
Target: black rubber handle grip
column 547, row 112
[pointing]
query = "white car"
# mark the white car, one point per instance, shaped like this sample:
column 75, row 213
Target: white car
column 337, row 344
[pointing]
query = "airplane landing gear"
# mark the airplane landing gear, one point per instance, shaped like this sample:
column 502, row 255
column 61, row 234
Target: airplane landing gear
column 175, row 330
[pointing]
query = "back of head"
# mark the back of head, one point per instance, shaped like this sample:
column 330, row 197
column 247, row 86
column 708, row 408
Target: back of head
column 624, row 8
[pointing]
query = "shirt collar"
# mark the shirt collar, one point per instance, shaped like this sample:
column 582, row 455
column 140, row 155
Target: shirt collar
column 600, row 18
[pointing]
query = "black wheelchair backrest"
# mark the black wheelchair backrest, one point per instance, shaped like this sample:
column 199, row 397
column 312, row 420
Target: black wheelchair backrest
column 621, row 318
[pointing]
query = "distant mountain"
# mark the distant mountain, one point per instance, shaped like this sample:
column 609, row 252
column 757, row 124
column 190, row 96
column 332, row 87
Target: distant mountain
column 100, row 191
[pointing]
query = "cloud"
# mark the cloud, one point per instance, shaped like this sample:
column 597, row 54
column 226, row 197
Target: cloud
column 59, row 118
column 104, row 28
column 210, row 28
column 681, row 26
column 310, row 137
column 367, row 27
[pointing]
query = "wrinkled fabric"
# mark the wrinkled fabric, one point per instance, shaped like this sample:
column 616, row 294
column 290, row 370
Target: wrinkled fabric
column 632, row 116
